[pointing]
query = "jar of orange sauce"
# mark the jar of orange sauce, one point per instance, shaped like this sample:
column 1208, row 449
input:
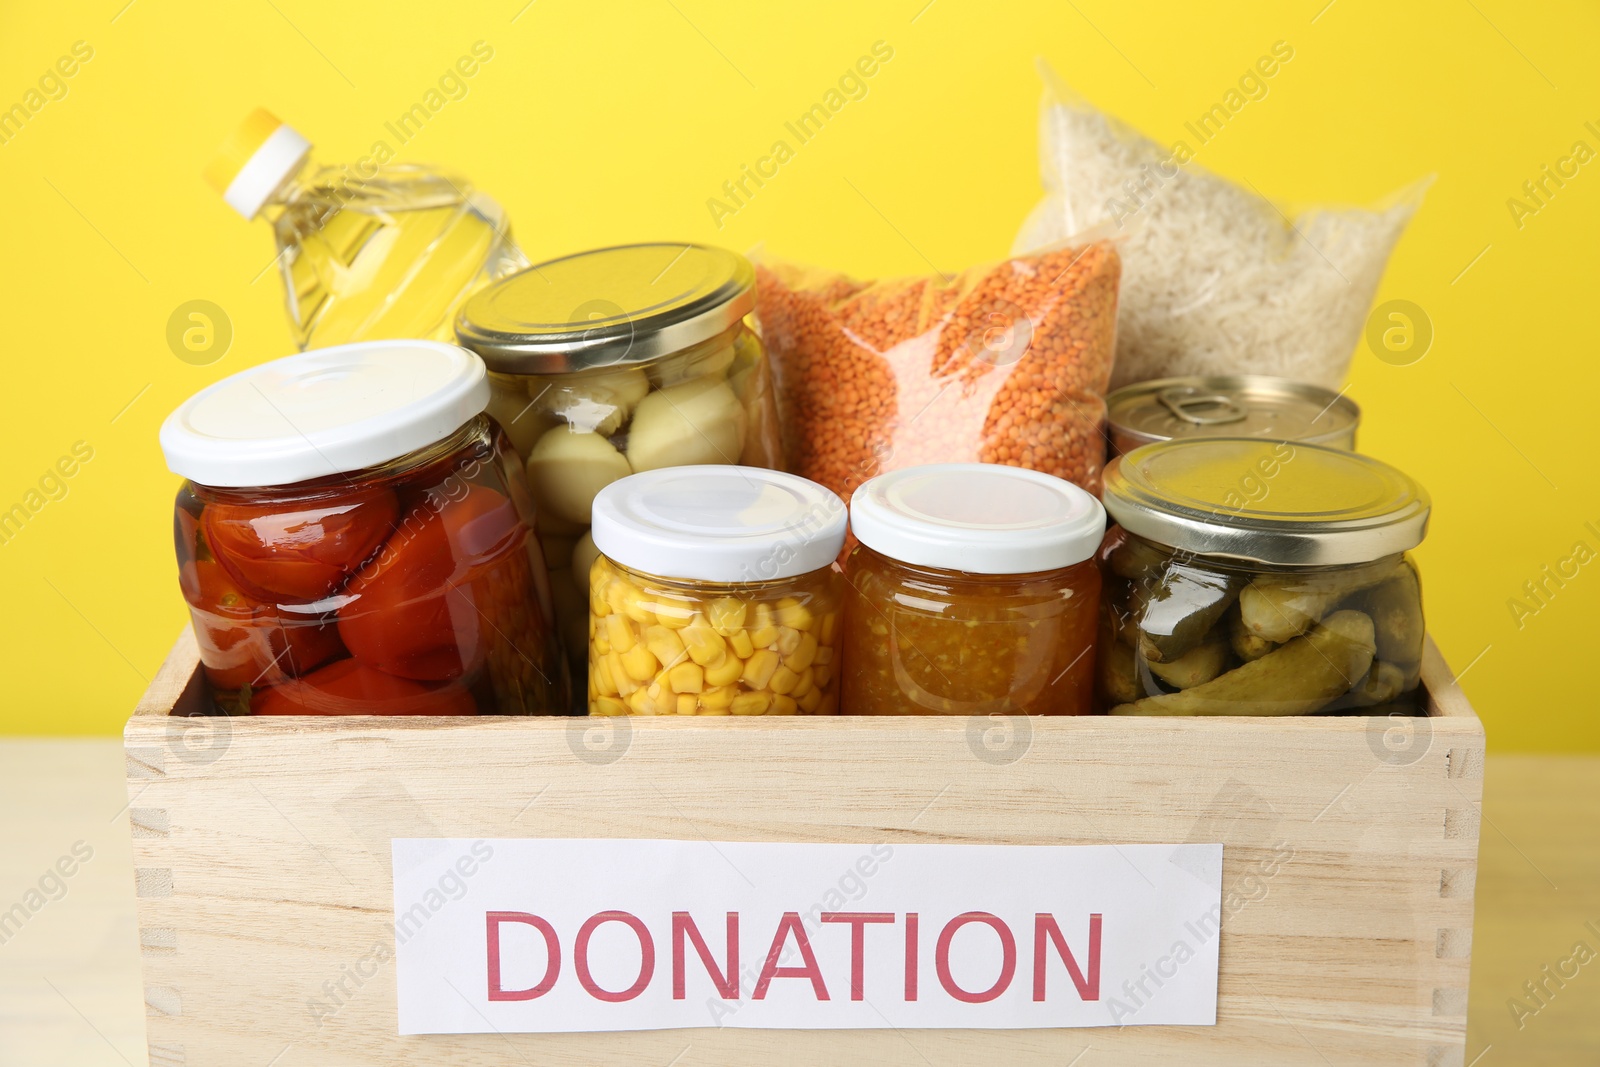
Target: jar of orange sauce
column 973, row 591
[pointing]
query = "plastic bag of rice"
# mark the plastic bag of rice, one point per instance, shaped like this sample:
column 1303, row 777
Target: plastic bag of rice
column 1216, row 279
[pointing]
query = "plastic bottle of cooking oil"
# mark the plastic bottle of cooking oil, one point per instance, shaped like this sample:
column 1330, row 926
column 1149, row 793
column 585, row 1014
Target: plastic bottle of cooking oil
column 367, row 250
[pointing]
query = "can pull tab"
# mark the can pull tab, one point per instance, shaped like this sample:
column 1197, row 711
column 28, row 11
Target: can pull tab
column 1212, row 409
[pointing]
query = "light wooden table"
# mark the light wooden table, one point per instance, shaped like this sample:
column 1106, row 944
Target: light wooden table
column 69, row 975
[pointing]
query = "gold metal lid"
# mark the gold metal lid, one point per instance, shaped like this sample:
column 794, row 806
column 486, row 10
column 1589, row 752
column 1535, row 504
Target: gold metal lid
column 607, row 308
column 1266, row 502
column 1232, row 405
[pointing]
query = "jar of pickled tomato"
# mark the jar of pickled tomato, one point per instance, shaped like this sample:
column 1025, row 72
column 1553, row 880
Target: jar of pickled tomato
column 974, row 591
column 714, row 592
column 355, row 537
column 616, row 361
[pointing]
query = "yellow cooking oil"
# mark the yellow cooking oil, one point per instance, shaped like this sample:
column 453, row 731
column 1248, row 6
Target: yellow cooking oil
column 392, row 256
column 370, row 251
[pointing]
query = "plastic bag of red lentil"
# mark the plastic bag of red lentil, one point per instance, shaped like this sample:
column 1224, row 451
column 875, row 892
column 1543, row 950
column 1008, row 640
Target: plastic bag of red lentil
column 1007, row 363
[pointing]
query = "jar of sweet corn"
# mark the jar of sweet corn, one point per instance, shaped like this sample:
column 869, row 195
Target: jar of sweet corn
column 615, row 361
column 714, row 592
column 974, row 591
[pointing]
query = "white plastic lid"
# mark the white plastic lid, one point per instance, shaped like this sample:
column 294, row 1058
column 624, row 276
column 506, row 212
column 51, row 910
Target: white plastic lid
column 719, row 523
column 325, row 412
column 981, row 518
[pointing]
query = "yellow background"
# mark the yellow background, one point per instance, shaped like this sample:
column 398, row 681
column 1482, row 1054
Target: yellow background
column 599, row 123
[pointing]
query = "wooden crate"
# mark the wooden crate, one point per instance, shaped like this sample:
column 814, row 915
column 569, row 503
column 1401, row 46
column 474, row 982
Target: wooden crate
column 262, row 848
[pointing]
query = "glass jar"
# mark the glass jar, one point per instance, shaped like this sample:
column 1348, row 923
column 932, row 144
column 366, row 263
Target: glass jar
column 355, row 537
column 1258, row 578
column 617, row 361
column 973, row 591
column 714, row 593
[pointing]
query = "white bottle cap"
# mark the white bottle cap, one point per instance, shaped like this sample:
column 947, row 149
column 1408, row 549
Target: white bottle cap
column 255, row 160
column 981, row 518
column 325, row 412
column 719, row 524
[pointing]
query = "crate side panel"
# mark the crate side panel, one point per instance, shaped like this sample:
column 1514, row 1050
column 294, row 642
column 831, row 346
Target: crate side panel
column 277, row 901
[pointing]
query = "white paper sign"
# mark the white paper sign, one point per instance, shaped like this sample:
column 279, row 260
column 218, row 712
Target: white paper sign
column 542, row 936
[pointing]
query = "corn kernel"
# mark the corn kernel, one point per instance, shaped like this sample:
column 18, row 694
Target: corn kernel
column 782, row 705
column 620, row 595
column 726, row 614
column 619, row 675
column 601, row 645
column 620, row 633
column 750, row 704
column 783, row 680
column 664, row 644
column 803, row 656
column 674, row 615
column 810, row 701
column 764, row 617
column 639, row 663
column 825, row 631
column 820, row 674
column 640, row 703
column 802, row 685
column 759, row 669
column 824, row 655
column 795, row 615
column 725, row 673
column 705, row 646
column 687, row 678
column 829, row 705
column 600, row 677
column 713, row 711
column 687, row 704
column 610, row 706
column 717, row 697
column 788, row 641
column 764, row 636
column 741, row 644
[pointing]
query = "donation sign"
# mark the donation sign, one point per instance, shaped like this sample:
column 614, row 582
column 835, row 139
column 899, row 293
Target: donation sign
column 545, row 936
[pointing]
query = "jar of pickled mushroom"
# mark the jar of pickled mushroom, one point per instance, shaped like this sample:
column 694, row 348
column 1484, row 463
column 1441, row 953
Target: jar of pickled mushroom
column 714, row 592
column 616, row 361
column 354, row 537
column 973, row 591
column 1250, row 577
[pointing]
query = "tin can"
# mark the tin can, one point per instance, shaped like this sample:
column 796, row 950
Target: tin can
column 1233, row 405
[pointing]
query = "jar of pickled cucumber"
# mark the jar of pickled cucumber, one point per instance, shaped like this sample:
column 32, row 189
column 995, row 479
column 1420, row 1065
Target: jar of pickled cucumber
column 1250, row 577
column 974, row 591
column 714, row 592
column 355, row 537
column 617, row 361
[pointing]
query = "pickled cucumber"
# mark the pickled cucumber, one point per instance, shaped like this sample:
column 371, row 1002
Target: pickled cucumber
column 1183, row 606
column 1396, row 608
column 1246, row 645
column 1384, row 682
column 1280, row 606
column 1137, row 559
column 1304, row 674
column 1119, row 674
column 1198, row 665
